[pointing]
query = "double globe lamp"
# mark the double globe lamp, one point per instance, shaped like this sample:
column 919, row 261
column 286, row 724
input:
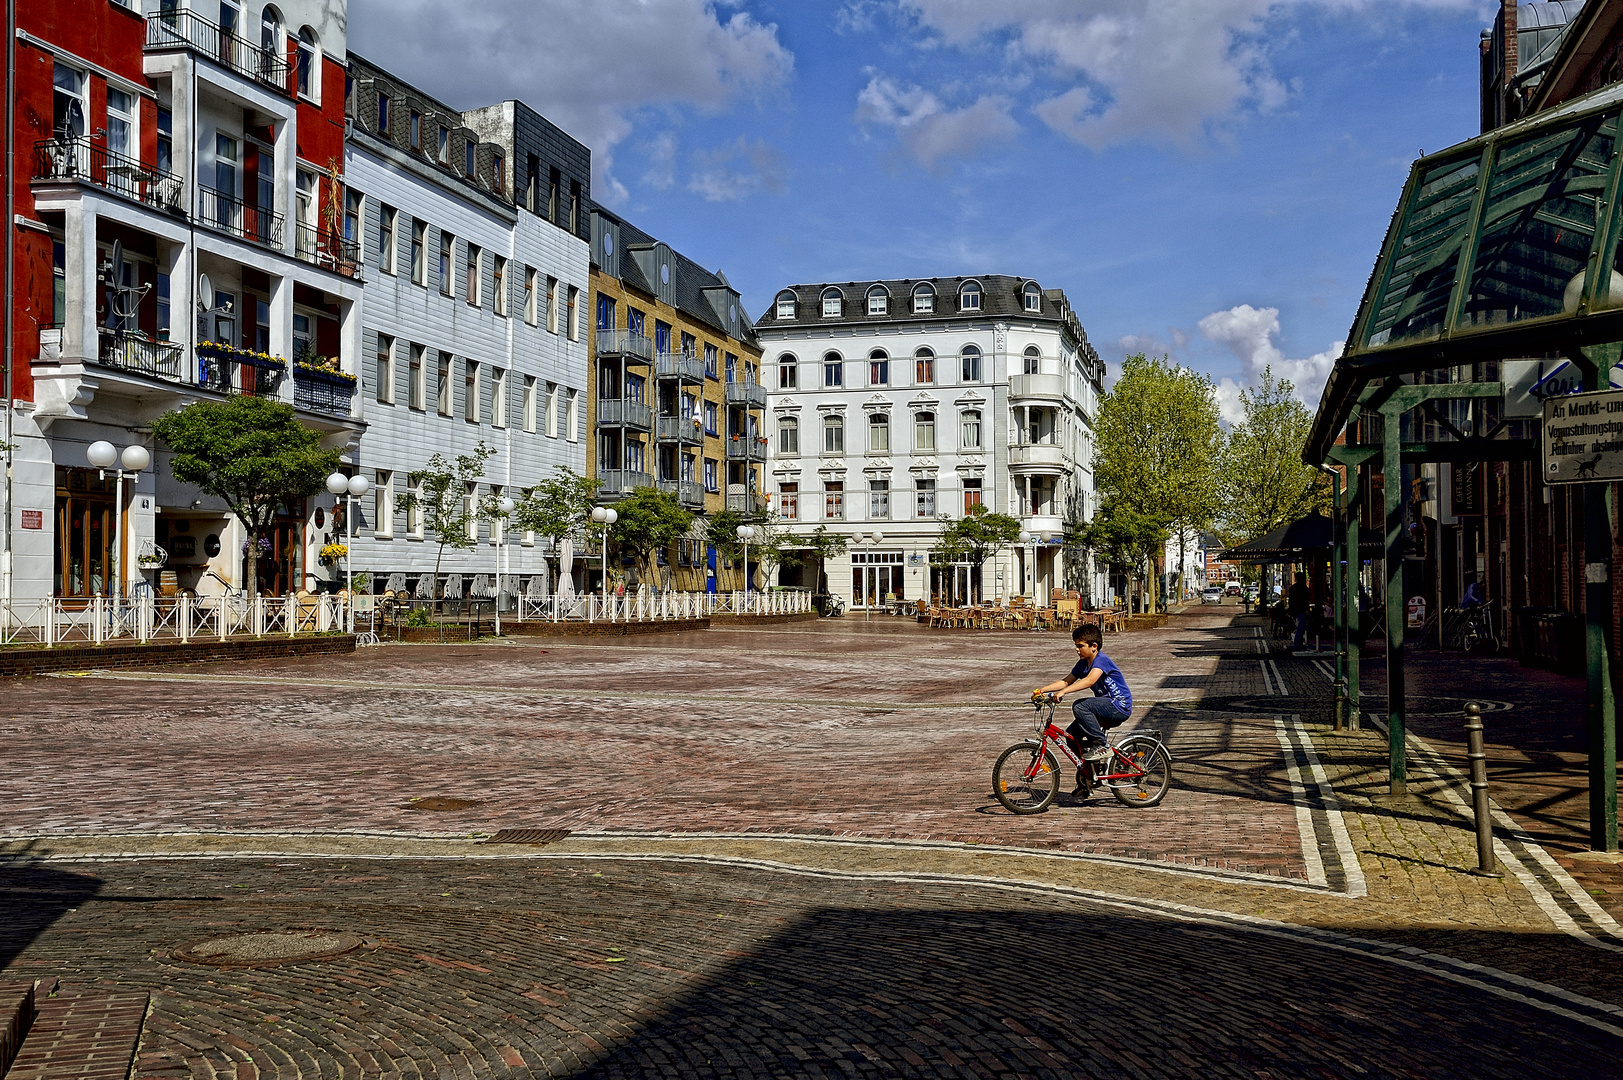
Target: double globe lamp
column 102, row 456
column 605, row 516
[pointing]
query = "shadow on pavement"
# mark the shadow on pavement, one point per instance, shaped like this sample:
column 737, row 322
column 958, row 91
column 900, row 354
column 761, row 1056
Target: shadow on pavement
column 32, row 899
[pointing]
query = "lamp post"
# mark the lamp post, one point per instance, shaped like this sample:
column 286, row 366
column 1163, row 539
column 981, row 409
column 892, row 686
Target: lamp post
column 746, row 533
column 605, row 516
column 503, row 508
column 135, row 458
column 348, row 488
column 1028, row 540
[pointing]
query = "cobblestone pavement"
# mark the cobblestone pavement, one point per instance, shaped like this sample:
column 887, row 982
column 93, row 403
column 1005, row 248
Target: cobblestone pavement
column 781, row 860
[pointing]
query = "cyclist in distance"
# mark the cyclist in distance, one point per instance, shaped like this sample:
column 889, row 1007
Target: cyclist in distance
column 1475, row 595
column 1111, row 704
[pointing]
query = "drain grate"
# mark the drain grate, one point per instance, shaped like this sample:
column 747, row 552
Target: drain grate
column 537, row 837
column 268, row 949
column 440, row 802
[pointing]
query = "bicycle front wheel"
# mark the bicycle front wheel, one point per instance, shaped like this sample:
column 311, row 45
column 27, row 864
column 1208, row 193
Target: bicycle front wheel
column 1026, row 778
column 1153, row 771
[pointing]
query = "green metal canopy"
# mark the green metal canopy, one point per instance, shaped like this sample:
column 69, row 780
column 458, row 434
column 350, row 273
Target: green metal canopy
column 1488, row 256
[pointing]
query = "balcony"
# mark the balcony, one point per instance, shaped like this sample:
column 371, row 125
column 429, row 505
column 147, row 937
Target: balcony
column 85, row 161
column 624, row 343
column 621, row 412
column 230, row 214
column 321, row 390
column 227, row 370
column 620, row 482
column 185, row 30
column 135, row 352
column 748, row 393
column 744, row 448
column 687, row 368
column 1037, row 457
column 680, row 429
column 327, row 249
column 1036, row 388
column 745, row 502
column 689, row 494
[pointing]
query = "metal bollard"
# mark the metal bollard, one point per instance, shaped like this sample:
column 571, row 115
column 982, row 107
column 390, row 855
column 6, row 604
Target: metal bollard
column 1487, row 865
column 1339, row 723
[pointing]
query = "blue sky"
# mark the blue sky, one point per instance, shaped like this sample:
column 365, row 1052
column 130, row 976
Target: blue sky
column 1206, row 178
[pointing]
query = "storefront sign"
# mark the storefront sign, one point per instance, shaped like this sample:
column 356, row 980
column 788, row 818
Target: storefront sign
column 33, row 519
column 1583, row 438
column 1417, row 612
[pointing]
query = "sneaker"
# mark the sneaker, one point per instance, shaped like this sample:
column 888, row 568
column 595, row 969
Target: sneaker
column 1098, row 755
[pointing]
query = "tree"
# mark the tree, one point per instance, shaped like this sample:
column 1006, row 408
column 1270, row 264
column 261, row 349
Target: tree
column 1158, row 444
column 558, row 507
column 250, row 452
column 1125, row 536
column 975, row 537
column 769, row 545
column 650, row 521
column 814, row 549
column 1264, row 482
column 440, row 493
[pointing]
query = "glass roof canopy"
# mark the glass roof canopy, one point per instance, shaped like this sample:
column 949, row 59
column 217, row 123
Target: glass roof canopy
column 1488, row 255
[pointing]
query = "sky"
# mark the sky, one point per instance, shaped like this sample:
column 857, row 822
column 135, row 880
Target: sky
column 1205, row 179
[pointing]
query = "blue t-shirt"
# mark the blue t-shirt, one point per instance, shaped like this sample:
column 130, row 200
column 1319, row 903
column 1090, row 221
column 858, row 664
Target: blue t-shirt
column 1112, row 684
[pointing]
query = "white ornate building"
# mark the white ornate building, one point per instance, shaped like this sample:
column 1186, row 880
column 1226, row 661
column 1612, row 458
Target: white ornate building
column 892, row 403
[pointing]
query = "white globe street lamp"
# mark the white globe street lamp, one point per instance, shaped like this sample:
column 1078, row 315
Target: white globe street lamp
column 348, row 488
column 746, row 533
column 102, row 456
column 504, row 507
column 605, row 516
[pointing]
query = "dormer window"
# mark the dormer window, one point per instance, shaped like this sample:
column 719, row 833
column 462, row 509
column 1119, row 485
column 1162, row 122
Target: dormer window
column 923, row 299
column 878, row 301
column 786, row 305
column 1033, row 298
column 833, row 304
column 969, row 297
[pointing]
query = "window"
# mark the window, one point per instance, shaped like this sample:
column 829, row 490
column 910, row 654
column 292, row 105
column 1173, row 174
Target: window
column 529, row 404
column 385, row 369
column 498, row 398
column 969, row 297
column 554, row 181
column 789, row 502
column 163, row 295
column 923, row 299
column 924, row 431
column 414, row 509
column 833, row 370
column 574, row 206
column 415, row 137
column 712, row 362
column 789, row 436
column 498, row 174
column 1033, row 360
column 261, row 341
column 1034, row 297
column 924, row 367
column 469, row 150
column 572, row 420
column 971, row 429
column 470, row 503
column 530, row 294
column 832, row 303
column 732, row 369
column 532, row 184
column 710, row 481
column 416, row 379
column 879, row 500
column 925, row 490
column 786, row 305
column 498, row 287
column 972, row 364
column 69, row 103
column 419, row 257
column 834, row 500
column 120, row 122
column 574, row 314
column 470, row 391
column 270, row 32
column 304, row 335
column 552, row 410
column 710, row 418
column 304, row 207
column 472, row 281
column 309, row 70
column 636, row 321
column 386, row 219
column 383, row 505
column 690, row 346
column 605, row 312
column 788, row 369
column 878, row 433
column 878, row 369
column 352, row 218
column 444, row 154
column 972, row 495
column 525, row 496
column 833, row 435
column 552, row 305
column 383, row 113
column 166, row 141
column 225, row 178
column 442, row 385
column 497, row 522
column 878, row 300
column 447, row 245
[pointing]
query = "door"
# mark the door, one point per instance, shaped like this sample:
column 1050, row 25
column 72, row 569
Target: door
column 85, row 524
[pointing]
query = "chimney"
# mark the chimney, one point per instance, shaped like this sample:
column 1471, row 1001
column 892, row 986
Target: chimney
column 1509, row 12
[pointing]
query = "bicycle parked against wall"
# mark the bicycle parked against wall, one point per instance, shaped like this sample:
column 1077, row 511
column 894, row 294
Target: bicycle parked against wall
column 1026, row 778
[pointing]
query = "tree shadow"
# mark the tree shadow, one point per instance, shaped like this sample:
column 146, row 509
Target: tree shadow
column 32, row 898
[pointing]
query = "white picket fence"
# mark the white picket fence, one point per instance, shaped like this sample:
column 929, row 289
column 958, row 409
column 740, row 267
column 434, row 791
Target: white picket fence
column 652, row 606
column 100, row 619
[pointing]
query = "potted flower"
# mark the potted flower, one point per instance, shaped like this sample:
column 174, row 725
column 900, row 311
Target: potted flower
column 332, row 554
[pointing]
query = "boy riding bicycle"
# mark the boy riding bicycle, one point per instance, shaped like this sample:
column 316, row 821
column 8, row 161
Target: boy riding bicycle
column 1111, row 704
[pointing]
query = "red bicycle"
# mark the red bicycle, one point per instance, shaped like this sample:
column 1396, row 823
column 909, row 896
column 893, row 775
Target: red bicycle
column 1026, row 778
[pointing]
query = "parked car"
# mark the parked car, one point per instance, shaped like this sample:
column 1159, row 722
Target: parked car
column 1251, row 593
column 1233, row 588
column 1212, row 594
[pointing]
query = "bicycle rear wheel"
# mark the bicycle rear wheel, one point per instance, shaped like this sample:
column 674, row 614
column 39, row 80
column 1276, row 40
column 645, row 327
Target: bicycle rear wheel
column 1026, row 778
column 1154, row 771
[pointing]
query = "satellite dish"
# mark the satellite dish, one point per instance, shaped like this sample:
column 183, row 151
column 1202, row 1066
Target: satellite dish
column 205, row 292
column 115, row 264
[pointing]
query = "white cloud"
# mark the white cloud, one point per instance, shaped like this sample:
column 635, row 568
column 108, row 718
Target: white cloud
column 737, row 170
column 661, row 151
column 1249, row 333
column 927, row 128
column 588, row 65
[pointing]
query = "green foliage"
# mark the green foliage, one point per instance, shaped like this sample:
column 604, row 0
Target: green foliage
column 650, row 521
column 975, row 537
column 1124, row 535
column 814, row 549
column 250, row 452
column 559, row 506
column 1159, row 442
column 1264, row 482
column 419, row 616
column 440, row 492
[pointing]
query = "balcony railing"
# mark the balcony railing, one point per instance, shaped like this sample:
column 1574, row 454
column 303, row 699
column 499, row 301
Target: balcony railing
column 747, row 392
column 230, row 214
column 1038, row 455
column 684, row 366
column 687, row 492
column 621, row 412
column 1047, row 387
column 621, row 481
column 82, row 159
column 133, row 351
column 624, row 343
column 681, row 429
column 322, row 391
column 326, row 248
column 229, row 371
column 185, row 30
column 746, row 503
column 744, row 448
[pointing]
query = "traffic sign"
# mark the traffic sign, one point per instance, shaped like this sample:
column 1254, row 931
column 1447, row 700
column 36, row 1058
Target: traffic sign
column 1583, row 438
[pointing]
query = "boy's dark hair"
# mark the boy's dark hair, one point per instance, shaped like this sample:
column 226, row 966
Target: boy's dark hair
column 1088, row 634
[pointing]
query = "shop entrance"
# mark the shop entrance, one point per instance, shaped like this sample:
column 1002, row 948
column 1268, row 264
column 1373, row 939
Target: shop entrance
column 954, row 584
column 85, row 523
column 281, row 557
column 876, row 576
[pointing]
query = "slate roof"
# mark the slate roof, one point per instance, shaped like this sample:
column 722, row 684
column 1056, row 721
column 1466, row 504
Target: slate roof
column 1002, row 297
column 689, row 277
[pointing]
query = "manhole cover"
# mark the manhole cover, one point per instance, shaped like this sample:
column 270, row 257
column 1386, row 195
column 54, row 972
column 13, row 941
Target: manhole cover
column 270, row 948
column 440, row 802
column 537, row 837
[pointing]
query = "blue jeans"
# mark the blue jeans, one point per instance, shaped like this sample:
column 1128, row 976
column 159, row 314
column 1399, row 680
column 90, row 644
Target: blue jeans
column 1093, row 715
column 1301, row 631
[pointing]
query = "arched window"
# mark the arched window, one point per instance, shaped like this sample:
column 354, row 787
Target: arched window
column 786, row 304
column 972, row 363
column 878, row 433
column 789, row 436
column 924, row 432
column 924, row 367
column 969, row 296
column 1033, row 297
column 923, row 298
column 878, row 368
column 833, row 369
column 1034, row 360
column 788, row 372
column 971, row 429
column 833, row 435
column 309, row 63
column 270, row 33
column 833, row 303
column 878, row 300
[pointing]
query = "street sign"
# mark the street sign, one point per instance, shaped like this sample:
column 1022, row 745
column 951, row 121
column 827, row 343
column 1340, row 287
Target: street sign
column 1583, row 438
